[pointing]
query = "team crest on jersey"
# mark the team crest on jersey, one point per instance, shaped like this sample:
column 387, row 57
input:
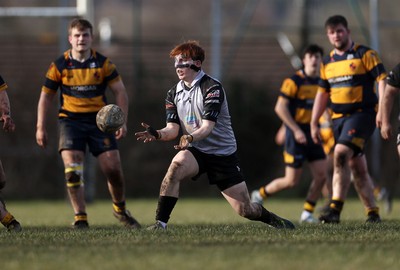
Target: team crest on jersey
column 96, row 75
column 351, row 132
column 353, row 66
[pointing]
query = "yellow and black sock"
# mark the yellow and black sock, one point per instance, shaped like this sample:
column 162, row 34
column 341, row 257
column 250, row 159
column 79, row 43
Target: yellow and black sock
column 7, row 219
column 372, row 211
column 309, row 206
column 81, row 217
column 119, row 207
column 264, row 194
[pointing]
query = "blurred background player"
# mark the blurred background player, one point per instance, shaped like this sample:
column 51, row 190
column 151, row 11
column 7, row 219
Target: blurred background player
column 391, row 90
column 6, row 121
column 348, row 76
column 328, row 143
column 83, row 75
column 294, row 108
column 197, row 106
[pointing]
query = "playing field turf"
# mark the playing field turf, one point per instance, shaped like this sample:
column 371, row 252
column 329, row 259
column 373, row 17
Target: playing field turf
column 202, row 234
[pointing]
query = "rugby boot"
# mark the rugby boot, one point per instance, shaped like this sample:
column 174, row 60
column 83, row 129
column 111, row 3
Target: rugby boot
column 330, row 216
column 127, row 219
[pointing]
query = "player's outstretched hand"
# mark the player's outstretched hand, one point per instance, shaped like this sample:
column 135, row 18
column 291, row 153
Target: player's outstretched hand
column 184, row 142
column 8, row 123
column 149, row 135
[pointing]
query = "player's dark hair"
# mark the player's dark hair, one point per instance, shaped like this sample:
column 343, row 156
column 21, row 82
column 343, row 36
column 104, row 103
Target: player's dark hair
column 80, row 24
column 336, row 20
column 313, row 49
column 190, row 49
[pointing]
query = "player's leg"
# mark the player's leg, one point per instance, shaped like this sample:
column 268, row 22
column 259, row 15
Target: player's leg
column 365, row 187
column 319, row 176
column 327, row 189
column 239, row 199
column 73, row 169
column 6, row 218
column 340, row 183
column 183, row 166
column 110, row 165
column 291, row 179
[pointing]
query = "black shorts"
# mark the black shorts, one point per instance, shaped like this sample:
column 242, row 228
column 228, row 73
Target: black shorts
column 76, row 133
column 295, row 154
column 223, row 171
column 354, row 130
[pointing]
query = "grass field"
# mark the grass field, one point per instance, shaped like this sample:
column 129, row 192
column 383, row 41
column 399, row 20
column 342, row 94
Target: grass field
column 202, row 234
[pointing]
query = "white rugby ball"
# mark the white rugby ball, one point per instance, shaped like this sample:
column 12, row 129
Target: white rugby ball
column 110, row 118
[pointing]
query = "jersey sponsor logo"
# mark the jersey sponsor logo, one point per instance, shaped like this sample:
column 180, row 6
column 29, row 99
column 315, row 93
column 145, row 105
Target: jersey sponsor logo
column 350, row 56
column 213, row 94
column 83, row 88
column 93, row 65
column 340, row 79
column 190, row 119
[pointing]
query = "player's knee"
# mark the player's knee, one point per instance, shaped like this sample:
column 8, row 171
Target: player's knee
column 341, row 159
column 73, row 175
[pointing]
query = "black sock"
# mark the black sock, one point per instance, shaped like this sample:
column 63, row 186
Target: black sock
column 164, row 208
column 265, row 216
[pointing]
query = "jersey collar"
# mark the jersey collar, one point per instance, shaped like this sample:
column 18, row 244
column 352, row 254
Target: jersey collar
column 181, row 87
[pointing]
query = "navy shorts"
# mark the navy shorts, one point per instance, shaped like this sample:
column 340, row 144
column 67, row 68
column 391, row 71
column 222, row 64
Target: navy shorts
column 76, row 133
column 223, row 171
column 295, row 154
column 354, row 130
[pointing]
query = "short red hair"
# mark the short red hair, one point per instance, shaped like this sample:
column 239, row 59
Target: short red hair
column 190, row 49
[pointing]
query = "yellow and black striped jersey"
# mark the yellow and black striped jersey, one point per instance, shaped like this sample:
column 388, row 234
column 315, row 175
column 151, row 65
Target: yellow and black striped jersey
column 82, row 85
column 350, row 79
column 300, row 90
column 3, row 85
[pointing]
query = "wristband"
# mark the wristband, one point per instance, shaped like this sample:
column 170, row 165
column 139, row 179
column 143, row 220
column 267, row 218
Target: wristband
column 191, row 136
column 152, row 131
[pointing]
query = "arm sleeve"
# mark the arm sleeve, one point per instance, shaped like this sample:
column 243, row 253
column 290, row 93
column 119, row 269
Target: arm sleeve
column 213, row 98
column 170, row 107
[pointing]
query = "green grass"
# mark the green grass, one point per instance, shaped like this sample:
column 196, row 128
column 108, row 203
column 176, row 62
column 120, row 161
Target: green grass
column 202, row 234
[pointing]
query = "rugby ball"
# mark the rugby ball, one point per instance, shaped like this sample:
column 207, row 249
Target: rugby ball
column 110, row 118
